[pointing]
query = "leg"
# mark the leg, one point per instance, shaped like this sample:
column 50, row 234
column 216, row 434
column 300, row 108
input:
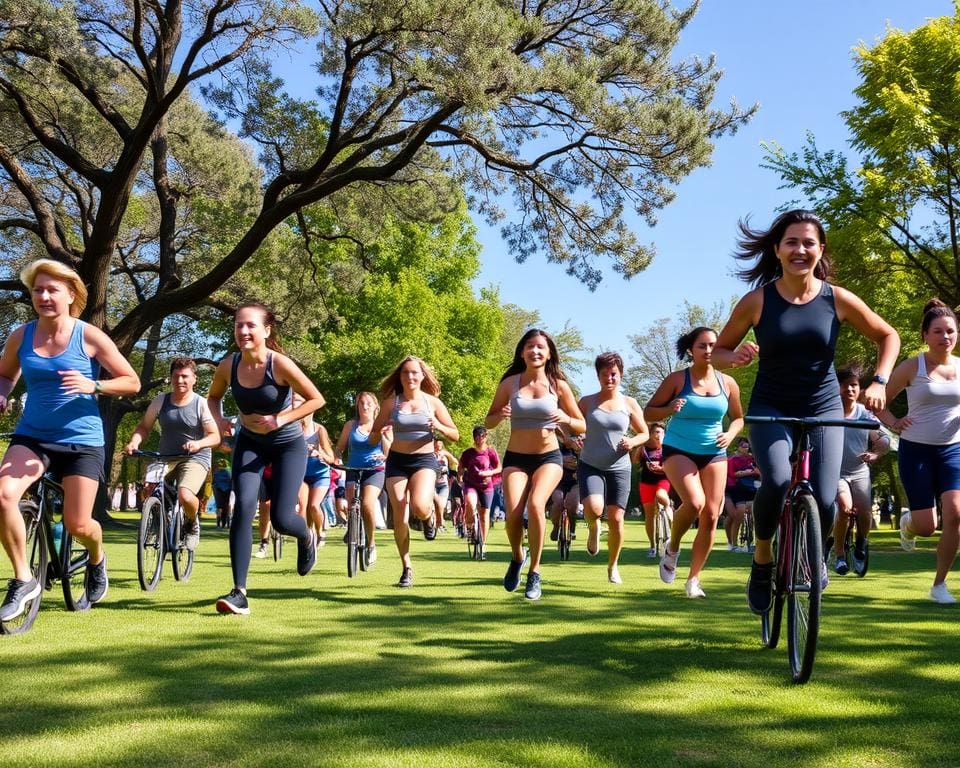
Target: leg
column 289, row 463
column 516, row 484
column 950, row 538
column 827, row 444
column 649, row 520
column 771, row 445
column 540, row 488
column 470, row 507
column 79, row 495
column 729, row 512
column 685, row 478
column 397, row 494
column 421, row 488
column 592, row 512
column 713, row 478
column 248, row 467
column 844, row 506
column 614, row 534
column 20, row 469
column 736, row 521
column 369, row 504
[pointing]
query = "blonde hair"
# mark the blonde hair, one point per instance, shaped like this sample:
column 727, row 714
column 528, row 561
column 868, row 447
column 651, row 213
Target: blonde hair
column 391, row 384
column 356, row 403
column 58, row 271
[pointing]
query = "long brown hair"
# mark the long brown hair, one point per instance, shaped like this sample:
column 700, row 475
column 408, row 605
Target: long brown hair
column 757, row 245
column 519, row 365
column 269, row 321
column 391, row 384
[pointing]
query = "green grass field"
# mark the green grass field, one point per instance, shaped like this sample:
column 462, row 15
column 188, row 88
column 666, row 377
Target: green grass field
column 456, row 672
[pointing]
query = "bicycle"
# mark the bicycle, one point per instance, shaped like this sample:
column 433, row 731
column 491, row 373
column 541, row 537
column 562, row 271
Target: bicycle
column 52, row 553
column 475, row 541
column 161, row 526
column 857, row 564
column 745, row 538
column 357, row 552
column 797, row 552
column 564, row 536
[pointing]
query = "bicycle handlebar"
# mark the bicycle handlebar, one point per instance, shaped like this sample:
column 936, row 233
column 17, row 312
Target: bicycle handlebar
column 164, row 456
column 813, row 421
column 344, row 468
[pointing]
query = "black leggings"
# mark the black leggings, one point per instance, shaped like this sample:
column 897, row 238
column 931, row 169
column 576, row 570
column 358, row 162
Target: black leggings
column 289, row 461
column 772, row 445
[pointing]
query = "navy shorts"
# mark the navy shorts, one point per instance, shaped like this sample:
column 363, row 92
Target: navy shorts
column 612, row 484
column 531, row 462
column 65, row 459
column 928, row 471
column 407, row 464
column 700, row 459
column 374, row 478
column 484, row 495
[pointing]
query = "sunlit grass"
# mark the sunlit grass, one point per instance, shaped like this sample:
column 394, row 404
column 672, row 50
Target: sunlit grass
column 456, row 672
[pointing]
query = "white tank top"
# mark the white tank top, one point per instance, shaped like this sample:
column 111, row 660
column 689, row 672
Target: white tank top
column 934, row 407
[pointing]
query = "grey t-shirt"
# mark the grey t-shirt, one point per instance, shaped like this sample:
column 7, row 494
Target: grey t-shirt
column 178, row 424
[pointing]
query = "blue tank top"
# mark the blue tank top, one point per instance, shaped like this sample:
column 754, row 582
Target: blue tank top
column 797, row 344
column 316, row 467
column 50, row 415
column 411, row 426
column 696, row 427
column 266, row 398
column 532, row 412
column 360, row 453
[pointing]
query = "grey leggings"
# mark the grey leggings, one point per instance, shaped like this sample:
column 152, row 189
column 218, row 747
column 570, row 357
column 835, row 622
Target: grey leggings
column 772, row 445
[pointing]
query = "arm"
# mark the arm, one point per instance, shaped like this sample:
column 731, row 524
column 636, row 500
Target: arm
column 441, row 418
column 729, row 352
column 734, row 411
column 568, row 406
column 452, row 461
column 500, row 407
column 638, row 425
column 341, row 445
column 218, row 388
column 852, row 309
column 323, row 444
column 211, row 434
column 10, row 366
column 101, row 347
column 381, row 422
column 901, row 377
column 146, row 424
column 665, row 402
column 879, row 443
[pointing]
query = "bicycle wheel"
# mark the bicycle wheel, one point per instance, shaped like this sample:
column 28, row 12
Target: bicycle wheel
column 73, row 572
column 563, row 538
column 772, row 620
column 37, row 559
column 353, row 540
column 362, row 553
column 746, row 532
column 181, row 556
column 803, row 595
column 150, row 544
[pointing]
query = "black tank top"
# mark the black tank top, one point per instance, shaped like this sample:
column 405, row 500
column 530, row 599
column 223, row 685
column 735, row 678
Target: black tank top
column 797, row 345
column 268, row 397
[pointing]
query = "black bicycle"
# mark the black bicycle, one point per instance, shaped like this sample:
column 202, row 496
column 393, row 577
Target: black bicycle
column 357, row 552
column 475, row 542
column 161, row 526
column 799, row 567
column 564, row 536
column 52, row 553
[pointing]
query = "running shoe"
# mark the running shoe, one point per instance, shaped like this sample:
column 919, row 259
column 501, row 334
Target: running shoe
column 824, row 576
column 511, row 579
column 841, row 566
column 668, row 566
column 19, row 593
column 760, row 587
column 262, row 551
column 406, row 578
column 235, row 602
column 940, row 594
column 533, row 591
column 613, row 575
column 693, row 588
column 306, row 555
column 429, row 528
column 371, row 554
column 908, row 541
column 652, row 552
column 96, row 582
column 859, row 562
column 191, row 533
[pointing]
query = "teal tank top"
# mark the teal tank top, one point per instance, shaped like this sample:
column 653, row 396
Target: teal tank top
column 696, row 427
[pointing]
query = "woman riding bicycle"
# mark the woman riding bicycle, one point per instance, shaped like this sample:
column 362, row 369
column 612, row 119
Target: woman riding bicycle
column 59, row 357
column 795, row 314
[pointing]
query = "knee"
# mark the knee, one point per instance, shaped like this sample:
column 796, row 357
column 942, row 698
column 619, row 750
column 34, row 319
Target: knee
column 81, row 529
column 10, row 494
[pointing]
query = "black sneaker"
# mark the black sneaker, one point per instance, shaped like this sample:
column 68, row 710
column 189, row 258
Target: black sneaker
column 19, row 593
column 573, row 531
column 235, row 602
column 429, row 528
column 191, row 533
column 511, row 579
column 841, row 567
column 306, row 555
column 406, row 578
column 760, row 587
column 554, row 533
column 96, row 582
column 533, row 592
column 859, row 562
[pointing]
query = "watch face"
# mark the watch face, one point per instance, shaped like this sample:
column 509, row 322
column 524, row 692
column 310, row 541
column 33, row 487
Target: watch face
column 880, row 379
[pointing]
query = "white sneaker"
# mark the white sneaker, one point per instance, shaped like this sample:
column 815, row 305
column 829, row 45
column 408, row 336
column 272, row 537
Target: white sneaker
column 371, row 555
column 907, row 540
column 693, row 588
column 261, row 551
column 668, row 566
column 613, row 575
column 731, row 547
column 940, row 594
column 652, row 552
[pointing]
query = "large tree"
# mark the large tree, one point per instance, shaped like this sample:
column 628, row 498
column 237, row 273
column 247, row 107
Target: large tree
column 894, row 211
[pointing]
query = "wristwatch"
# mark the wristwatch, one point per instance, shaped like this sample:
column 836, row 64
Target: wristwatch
column 880, row 379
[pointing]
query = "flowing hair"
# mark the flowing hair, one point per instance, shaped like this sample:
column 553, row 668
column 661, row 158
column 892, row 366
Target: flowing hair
column 757, row 246
column 391, row 384
column 58, row 271
column 552, row 367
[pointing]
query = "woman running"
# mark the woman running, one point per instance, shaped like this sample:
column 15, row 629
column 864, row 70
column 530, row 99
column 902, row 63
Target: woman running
column 262, row 380
column 316, row 479
column 535, row 396
column 929, row 452
column 59, row 357
column 795, row 314
column 355, row 443
column 603, row 473
column 446, row 462
column 694, row 448
column 742, row 476
column 653, row 486
column 861, row 448
column 478, row 466
column 414, row 412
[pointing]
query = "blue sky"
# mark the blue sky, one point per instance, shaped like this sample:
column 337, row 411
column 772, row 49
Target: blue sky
column 796, row 60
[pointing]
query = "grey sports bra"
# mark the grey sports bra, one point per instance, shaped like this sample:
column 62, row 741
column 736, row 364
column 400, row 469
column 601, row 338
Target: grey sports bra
column 532, row 412
column 411, row 426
